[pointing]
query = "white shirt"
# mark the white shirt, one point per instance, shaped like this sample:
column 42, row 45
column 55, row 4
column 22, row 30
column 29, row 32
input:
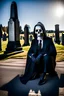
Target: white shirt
column 40, row 39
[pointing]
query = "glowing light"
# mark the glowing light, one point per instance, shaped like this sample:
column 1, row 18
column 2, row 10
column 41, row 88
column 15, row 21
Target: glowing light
column 59, row 11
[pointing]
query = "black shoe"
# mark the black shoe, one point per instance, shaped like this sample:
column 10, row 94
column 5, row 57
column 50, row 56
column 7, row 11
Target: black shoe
column 23, row 81
column 34, row 76
column 41, row 82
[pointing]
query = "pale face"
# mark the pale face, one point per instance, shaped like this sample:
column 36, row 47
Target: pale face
column 38, row 31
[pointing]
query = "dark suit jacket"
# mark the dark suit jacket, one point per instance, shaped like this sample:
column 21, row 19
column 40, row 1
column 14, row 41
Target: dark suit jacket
column 48, row 48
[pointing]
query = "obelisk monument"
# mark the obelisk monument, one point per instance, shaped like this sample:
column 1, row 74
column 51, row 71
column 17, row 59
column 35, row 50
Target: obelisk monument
column 0, row 36
column 57, row 39
column 26, row 35
column 13, row 30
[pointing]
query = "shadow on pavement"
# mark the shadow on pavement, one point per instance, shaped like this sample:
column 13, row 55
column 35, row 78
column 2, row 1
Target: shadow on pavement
column 16, row 88
column 5, row 55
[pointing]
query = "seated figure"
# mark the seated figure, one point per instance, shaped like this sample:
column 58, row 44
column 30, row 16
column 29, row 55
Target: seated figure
column 41, row 57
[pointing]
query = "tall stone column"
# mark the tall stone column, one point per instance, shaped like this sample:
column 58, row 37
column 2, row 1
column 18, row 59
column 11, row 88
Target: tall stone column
column 0, row 36
column 26, row 35
column 57, row 40
column 62, row 38
column 13, row 30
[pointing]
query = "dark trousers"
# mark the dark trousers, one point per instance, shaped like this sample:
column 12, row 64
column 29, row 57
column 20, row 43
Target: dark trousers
column 42, row 66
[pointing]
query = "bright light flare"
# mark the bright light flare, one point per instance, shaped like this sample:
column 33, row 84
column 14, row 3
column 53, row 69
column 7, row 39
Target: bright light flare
column 59, row 11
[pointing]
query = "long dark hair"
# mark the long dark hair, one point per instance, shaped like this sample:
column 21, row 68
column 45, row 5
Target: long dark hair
column 43, row 28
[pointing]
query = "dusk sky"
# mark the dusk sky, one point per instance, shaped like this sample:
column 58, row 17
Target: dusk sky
column 49, row 12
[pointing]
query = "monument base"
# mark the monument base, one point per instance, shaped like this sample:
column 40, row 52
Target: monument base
column 13, row 46
column 57, row 41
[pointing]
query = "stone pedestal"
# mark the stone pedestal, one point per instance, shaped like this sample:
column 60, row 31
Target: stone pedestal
column 26, row 35
column 57, row 40
column 14, row 38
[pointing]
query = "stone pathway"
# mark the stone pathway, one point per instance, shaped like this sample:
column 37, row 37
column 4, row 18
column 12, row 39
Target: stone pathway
column 12, row 67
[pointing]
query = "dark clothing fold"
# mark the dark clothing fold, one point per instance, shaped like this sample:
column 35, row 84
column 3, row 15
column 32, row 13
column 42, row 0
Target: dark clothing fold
column 37, row 61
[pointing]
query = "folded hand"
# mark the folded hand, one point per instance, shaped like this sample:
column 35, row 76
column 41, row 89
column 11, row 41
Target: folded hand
column 32, row 57
column 38, row 57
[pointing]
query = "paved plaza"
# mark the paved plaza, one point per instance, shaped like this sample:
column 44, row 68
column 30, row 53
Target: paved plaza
column 12, row 67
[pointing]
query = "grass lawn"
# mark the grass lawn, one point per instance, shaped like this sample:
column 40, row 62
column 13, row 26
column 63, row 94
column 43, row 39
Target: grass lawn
column 59, row 48
column 60, row 52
